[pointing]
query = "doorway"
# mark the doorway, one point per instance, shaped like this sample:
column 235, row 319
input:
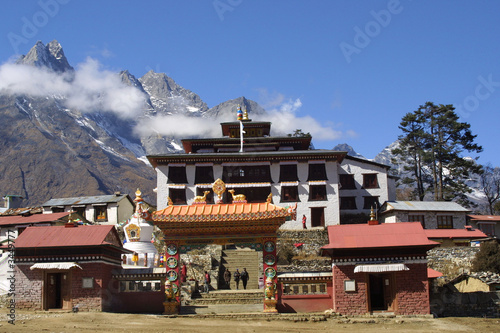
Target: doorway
column 57, row 291
column 381, row 292
column 317, row 217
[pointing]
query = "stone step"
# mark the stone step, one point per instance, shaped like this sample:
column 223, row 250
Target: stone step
column 228, row 297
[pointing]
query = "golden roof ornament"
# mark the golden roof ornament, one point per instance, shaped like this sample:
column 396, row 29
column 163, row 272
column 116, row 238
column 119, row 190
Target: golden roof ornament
column 219, row 187
column 169, row 202
column 245, row 114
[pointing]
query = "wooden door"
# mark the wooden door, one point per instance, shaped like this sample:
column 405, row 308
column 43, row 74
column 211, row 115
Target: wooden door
column 57, row 291
column 53, row 291
column 389, row 291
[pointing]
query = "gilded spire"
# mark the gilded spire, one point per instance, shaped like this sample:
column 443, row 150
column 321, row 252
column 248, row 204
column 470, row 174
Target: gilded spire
column 245, row 114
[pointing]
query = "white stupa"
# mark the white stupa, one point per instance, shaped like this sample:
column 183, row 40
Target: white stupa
column 138, row 233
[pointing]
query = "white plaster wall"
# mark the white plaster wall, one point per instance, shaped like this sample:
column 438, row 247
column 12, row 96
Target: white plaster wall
column 358, row 168
column 125, row 210
column 162, row 187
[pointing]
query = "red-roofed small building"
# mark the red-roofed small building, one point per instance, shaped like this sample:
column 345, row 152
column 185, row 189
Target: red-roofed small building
column 13, row 225
column 489, row 224
column 64, row 267
column 379, row 268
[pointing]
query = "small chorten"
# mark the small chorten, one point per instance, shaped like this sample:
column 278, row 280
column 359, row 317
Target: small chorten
column 138, row 234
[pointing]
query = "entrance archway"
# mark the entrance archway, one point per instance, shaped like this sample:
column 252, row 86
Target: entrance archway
column 250, row 224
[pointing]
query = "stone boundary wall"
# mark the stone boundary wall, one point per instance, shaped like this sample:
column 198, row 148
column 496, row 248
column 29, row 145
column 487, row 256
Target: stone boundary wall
column 451, row 261
column 475, row 304
column 306, row 257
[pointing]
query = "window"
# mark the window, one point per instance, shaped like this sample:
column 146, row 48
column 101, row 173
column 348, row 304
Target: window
column 178, row 196
column 247, row 174
column 289, row 193
column 288, row 173
column 370, row 181
column 317, row 192
column 371, row 202
column 79, row 210
column 347, row 182
column 57, row 209
column 177, row 175
column 100, row 213
column 417, row 218
column 487, row 228
column 348, row 203
column 204, row 175
column 445, row 222
column 317, row 172
column 253, row 194
column 318, row 217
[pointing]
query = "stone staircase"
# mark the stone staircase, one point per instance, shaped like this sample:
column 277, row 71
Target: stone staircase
column 233, row 259
column 225, row 301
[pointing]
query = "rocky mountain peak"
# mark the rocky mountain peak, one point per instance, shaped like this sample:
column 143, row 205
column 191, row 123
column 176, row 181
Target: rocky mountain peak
column 49, row 56
column 226, row 111
column 347, row 148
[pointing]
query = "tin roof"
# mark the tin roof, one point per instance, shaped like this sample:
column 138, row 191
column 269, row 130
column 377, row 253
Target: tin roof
column 441, row 206
column 356, row 236
column 62, row 236
column 97, row 199
column 35, row 218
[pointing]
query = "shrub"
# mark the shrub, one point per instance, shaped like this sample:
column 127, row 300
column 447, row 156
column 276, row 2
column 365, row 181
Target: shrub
column 488, row 258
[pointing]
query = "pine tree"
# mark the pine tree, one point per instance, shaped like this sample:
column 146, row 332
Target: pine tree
column 431, row 146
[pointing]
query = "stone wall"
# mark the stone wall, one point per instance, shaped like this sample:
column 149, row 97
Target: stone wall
column 304, row 258
column 476, row 304
column 29, row 284
column 451, row 261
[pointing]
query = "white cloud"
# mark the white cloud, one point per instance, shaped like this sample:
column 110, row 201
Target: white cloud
column 285, row 121
column 90, row 88
column 180, row 126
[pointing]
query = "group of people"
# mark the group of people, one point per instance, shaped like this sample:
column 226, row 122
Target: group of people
column 243, row 276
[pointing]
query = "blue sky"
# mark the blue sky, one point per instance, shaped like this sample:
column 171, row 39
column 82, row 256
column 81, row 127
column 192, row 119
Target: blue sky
column 356, row 67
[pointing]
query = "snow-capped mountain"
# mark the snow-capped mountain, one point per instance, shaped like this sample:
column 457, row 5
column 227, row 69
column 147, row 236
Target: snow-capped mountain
column 51, row 145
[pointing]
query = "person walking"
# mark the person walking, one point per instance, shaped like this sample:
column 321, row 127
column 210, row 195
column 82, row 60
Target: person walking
column 207, row 282
column 237, row 278
column 227, row 278
column 244, row 278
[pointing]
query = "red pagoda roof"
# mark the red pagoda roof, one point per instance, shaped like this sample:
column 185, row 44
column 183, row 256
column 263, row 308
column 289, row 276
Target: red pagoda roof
column 221, row 212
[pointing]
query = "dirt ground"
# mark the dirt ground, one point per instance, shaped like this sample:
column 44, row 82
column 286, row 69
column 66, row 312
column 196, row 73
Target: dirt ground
column 112, row 322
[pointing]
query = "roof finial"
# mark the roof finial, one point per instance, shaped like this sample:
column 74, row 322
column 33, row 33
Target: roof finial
column 245, row 114
column 239, row 113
